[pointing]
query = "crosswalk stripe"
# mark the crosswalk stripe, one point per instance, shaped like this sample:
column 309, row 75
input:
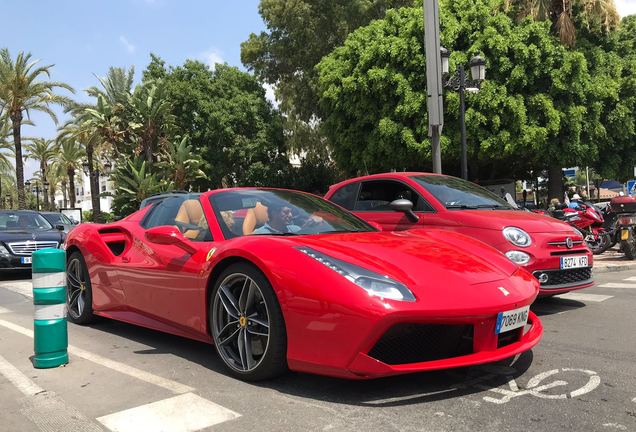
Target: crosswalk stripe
column 21, row 287
column 184, row 413
column 630, row 279
column 585, row 297
column 4, row 310
column 618, row 285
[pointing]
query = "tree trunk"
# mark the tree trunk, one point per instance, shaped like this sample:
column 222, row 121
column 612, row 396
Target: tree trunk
column 64, row 200
column 52, row 205
column 94, row 184
column 16, row 122
column 71, row 186
column 555, row 183
column 45, row 198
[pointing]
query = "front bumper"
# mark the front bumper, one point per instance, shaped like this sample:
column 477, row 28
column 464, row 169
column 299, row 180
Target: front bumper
column 12, row 262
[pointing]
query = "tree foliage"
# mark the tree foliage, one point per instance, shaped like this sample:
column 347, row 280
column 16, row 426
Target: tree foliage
column 542, row 104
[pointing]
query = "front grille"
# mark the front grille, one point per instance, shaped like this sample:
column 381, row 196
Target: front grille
column 28, row 247
column 564, row 243
column 509, row 337
column 564, row 277
column 413, row 343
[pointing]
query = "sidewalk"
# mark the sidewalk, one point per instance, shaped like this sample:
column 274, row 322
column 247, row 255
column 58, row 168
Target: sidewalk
column 612, row 260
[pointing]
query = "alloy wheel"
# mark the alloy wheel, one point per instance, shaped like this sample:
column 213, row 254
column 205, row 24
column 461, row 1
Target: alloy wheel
column 77, row 290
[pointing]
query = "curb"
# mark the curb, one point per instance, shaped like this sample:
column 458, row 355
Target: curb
column 614, row 267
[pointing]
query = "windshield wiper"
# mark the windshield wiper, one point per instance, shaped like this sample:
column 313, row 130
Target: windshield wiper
column 461, row 206
column 491, row 206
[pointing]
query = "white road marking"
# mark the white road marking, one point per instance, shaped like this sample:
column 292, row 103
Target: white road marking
column 615, row 426
column 4, row 310
column 18, row 379
column 43, row 408
column 634, row 400
column 24, row 288
column 184, row 413
column 142, row 375
column 633, row 279
column 618, row 285
column 585, row 297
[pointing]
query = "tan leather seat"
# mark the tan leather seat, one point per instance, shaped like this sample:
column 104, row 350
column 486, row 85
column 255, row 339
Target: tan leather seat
column 255, row 216
column 191, row 213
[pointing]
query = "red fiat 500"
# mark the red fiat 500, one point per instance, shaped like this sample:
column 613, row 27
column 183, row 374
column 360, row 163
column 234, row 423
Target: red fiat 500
column 551, row 250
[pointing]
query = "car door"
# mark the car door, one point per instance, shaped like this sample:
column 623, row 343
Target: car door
column 162, row 281
column 373, row 201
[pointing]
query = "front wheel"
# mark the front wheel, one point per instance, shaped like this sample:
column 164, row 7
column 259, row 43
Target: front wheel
column 247, row 324
column 601, row 243
column 79, row 295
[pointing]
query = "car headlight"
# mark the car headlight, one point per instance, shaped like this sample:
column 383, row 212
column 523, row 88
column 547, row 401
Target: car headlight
column 3, row 250
column 373, row 283
column 517, row 236
column 518, row 257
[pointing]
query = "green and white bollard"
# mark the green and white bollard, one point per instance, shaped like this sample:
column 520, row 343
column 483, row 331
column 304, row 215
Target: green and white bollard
column 50, row 337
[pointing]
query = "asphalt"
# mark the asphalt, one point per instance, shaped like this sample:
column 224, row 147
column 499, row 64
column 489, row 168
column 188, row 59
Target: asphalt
column 582, row 376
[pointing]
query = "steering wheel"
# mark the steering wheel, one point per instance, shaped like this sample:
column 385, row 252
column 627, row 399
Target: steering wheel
column 184, row 226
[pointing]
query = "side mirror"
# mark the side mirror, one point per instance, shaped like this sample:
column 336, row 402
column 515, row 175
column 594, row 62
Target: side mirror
column 169, row 235
column 405, row 206
column 59, row 227
column 74, row 222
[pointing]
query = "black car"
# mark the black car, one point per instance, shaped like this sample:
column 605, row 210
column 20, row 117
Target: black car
column 21, row 233
column 58, row 219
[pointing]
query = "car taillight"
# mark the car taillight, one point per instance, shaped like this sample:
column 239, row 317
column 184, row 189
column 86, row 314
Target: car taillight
column 627, row 220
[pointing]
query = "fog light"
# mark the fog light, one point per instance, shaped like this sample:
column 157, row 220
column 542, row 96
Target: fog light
column 543, row 277
column 518, row 257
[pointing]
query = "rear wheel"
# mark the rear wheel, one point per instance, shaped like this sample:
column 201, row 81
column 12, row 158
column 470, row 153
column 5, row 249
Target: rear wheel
column 79, row 295
column 629, row 248
column 247, row 324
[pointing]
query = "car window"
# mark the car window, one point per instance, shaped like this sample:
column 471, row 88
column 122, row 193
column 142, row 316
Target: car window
column 457, row 194
column 346, row 196
column 376, row 195
column 185, row 212
column 20, row 221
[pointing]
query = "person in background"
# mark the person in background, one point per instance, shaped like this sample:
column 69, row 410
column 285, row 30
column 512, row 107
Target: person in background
column 575, row 202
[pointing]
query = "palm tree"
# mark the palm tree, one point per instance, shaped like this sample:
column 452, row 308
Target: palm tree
column 601, row 13
column 134, row 183
column 69, row 160
column 153, row 118
column 43, row 151
column 21, row 92
column 181, row 164
column 6, row 147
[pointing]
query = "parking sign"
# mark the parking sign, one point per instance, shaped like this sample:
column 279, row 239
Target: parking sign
column 631, row 187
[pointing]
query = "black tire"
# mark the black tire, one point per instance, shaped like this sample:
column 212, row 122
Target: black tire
column 79, row 294
column 605, row 242
column 629, row 248
column 237, row 318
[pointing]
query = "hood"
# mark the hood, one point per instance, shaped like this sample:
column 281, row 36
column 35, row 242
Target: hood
column 499, row 219
column 415, row 256
column 18, row 235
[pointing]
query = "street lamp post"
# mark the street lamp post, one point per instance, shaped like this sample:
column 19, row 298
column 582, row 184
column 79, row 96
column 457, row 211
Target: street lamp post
column 36, row 189
column 460, row 82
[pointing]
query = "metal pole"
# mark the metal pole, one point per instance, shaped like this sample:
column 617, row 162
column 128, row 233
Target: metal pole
column 434, row 85
column 587, row 179
column 1, row 197
column 462, row 121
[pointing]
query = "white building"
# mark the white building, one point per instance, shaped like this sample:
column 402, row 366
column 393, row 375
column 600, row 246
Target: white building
column 83, row 193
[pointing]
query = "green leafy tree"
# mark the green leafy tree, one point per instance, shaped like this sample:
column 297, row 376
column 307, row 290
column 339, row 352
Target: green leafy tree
column 42, row 150
column 181, row 165
column 69, row 160
column 133, row 183
column 229, row 121
column 22, row 91
column 299, row 33
column 531, row 114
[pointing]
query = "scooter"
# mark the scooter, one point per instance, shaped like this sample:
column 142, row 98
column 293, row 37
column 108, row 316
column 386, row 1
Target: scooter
column 625, row 209
column 588, row 220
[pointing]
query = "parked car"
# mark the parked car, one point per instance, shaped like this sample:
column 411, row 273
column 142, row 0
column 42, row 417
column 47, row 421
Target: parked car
column 551, row 250
column 280, row 279
column 58, row 219
column 21, row 233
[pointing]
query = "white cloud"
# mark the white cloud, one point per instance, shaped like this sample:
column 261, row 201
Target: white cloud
column 212, row 57
column 270, row 94
column 129, row 47
column 626, row 7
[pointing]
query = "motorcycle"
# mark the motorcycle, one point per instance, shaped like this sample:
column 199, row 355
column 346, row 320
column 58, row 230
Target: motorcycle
column 625, row 209
column 588, row 220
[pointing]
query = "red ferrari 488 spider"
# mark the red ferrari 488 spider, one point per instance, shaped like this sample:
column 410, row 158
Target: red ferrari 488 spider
column 278, row 279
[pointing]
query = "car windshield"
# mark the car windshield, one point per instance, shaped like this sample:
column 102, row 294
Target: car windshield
column 280, row 212
column 458, row 194
column 23, row 221
column 57, row 218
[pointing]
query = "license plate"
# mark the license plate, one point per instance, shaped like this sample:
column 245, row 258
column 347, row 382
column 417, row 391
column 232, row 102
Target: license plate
column 624, row 234
column 25, row 260
column 511, row 320
column 572, row 262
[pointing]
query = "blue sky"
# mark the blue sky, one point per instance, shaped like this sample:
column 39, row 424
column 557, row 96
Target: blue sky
column 84, row 38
